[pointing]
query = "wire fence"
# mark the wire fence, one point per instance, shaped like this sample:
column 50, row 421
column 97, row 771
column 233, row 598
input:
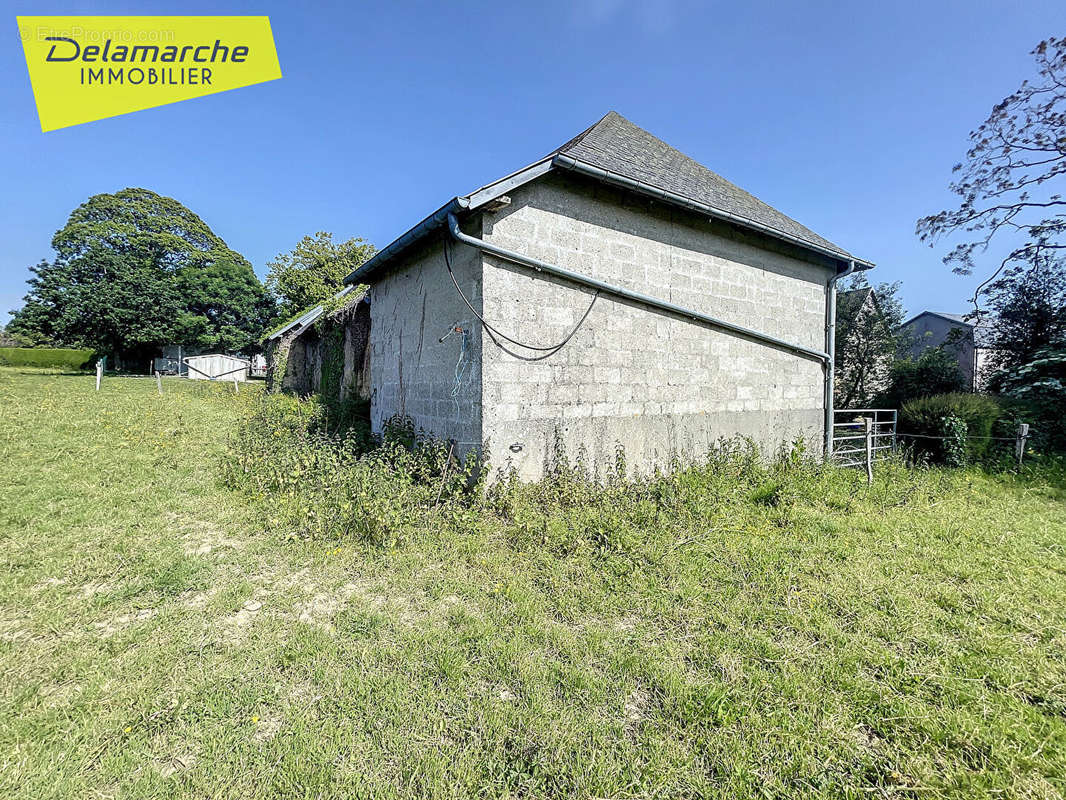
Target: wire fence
column 968, row 436
column 863, row 436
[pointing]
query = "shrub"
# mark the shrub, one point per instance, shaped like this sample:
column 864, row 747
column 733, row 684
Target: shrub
column 60, row 358
column 957, row 416
column 320, row 479
column 936, row 371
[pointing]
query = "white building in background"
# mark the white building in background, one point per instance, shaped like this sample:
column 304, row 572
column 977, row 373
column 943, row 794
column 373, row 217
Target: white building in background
column 217, row 366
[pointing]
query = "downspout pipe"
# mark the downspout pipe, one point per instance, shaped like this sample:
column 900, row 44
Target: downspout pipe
column 426, row 227
column 631, row 296
column 831, row 350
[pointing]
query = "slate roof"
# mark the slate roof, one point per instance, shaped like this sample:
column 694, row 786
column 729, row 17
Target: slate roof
column 614, row 150
column 958, row 319
column 617, row 145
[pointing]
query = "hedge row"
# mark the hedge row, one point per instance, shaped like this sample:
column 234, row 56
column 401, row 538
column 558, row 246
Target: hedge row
column 45, row 357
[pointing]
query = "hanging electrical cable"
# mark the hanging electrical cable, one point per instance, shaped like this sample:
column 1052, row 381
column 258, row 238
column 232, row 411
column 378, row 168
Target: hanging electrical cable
column 462, row 365
column 495, row 332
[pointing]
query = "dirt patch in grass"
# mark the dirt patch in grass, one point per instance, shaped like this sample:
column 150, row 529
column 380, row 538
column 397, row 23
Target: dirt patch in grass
column 109, row 627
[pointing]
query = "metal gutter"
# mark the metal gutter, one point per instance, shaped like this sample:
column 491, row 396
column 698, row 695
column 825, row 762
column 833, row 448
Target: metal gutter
column 626, row 294
column 435, row 220
column 572, row 164
column 831, row 350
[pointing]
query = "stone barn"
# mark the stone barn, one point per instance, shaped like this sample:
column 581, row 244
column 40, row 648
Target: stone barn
column 323, row 350
column 613, row 293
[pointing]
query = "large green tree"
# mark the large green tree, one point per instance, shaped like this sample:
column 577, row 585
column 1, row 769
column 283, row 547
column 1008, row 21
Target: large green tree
column 1028, row 305
column 135, row 270
column 314, row 270
column 868, row 339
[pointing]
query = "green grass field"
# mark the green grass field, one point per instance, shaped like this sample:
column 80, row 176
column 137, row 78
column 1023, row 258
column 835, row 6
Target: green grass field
column 817, row 638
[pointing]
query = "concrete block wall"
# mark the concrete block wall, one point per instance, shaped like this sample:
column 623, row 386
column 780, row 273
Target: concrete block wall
column 659, row 386
column 411, row 372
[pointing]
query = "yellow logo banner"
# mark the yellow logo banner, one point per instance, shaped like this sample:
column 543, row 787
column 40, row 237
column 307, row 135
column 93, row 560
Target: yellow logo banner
column 88, row 68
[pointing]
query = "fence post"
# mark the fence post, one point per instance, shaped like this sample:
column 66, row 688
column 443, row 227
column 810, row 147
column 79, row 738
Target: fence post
column 868, row 424
column 235, row 389
column 1019, row 444
column 99, row 372
column 159, row 382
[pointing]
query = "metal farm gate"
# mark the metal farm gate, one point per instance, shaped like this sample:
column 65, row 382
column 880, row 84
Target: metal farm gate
column 862, row 436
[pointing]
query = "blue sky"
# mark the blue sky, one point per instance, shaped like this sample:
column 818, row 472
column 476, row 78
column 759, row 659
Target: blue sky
column 846, row 116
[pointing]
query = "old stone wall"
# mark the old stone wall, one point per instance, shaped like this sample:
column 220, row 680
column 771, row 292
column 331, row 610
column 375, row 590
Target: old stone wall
column 331, row 356
column 657, row 385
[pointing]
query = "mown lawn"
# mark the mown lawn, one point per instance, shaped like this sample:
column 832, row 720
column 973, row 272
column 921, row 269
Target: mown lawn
column 813, row 638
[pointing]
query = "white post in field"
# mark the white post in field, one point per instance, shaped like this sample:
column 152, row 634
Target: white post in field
column 1019, row 443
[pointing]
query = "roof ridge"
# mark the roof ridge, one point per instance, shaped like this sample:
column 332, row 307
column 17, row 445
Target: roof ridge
column 614, row 150
column 620, row 146
column 585, row 132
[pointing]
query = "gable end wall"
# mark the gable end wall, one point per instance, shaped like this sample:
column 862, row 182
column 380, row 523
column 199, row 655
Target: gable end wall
column 658, row 386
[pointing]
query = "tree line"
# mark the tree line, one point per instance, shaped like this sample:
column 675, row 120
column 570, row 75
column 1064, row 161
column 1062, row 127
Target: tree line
column 135, row 271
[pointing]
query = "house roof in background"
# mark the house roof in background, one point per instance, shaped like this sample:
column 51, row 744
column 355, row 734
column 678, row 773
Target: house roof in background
column 958, row 319
column 982, row 333
column 617, row 152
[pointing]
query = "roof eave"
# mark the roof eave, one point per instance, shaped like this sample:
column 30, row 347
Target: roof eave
column 941, row 316
column 306, row 318
column 494, row 190
column 408, row 239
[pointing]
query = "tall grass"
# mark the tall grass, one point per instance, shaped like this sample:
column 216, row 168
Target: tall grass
column 314, row 481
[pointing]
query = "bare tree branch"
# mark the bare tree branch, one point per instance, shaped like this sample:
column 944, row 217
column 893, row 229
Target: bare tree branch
column 1019, row 150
